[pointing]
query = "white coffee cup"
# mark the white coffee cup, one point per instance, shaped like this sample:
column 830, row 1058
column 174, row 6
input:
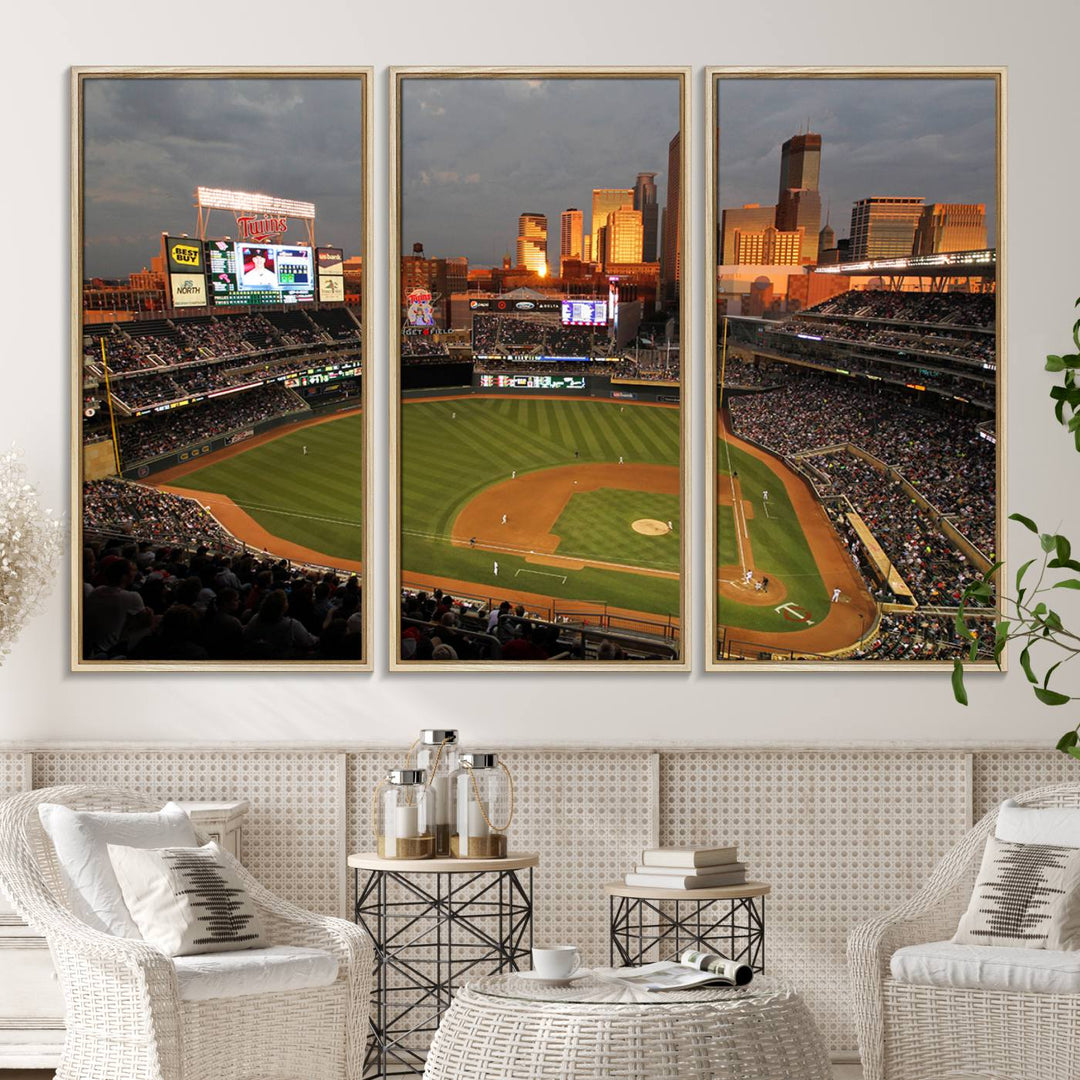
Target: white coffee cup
column 556, row 961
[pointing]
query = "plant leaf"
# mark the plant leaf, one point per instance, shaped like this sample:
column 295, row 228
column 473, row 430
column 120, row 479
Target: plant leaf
column 1068, row 583
column 1025, row 521
column 959, row 692
column 1070, row 738
column 1074, row 751
column 1022, row 571
column 1051, row 697
column 1025, row 663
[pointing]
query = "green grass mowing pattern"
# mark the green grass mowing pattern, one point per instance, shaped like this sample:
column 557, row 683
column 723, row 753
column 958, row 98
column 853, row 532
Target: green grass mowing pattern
column 315, row 500
column 779, row 545
column 446, row 462
column 599, row 525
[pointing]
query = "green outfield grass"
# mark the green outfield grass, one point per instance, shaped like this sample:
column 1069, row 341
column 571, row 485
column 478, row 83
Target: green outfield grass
column 780, row 548
column 599, row 525
column 315, row 500
column 447, row 461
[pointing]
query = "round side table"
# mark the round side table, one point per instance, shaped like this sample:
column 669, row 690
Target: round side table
column 432, row 921
column 729, row 920
column 594, row 1029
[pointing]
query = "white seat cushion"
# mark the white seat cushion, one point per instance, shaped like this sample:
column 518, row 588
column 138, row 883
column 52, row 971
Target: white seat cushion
column 988, row 967
column 253, row 971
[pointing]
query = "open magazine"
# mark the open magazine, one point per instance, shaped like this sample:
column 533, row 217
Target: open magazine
column 693, row 969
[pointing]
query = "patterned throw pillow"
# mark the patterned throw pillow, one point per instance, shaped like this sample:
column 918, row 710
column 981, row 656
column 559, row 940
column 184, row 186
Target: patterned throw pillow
column 186, row 900
column 1026, row 895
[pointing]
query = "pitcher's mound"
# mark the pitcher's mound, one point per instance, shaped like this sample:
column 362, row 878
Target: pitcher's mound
column 650, row 527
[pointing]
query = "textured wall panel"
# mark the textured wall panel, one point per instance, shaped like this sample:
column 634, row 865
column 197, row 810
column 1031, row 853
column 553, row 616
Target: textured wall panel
column 13, row 773
column 999, row 776
column 291, row 834
column 840, row 836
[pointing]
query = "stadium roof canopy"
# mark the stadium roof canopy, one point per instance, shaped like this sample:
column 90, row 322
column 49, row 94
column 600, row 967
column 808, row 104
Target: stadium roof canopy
column 946, row 264
column 523, row 293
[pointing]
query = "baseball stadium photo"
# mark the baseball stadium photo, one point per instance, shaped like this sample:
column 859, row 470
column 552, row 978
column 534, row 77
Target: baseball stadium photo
column 539, row 420
column 855, row 368
column 221, row 440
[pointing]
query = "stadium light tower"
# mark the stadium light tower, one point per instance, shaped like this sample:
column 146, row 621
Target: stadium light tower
column 257, row 216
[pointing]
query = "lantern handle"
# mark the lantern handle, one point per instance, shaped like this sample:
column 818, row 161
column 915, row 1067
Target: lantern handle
column 480, row 801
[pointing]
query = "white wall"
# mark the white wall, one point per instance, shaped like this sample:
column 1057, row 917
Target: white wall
column 41, row 700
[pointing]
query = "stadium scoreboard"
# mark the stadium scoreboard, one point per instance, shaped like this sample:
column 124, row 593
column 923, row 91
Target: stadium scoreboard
column 244, row 274
column 534, row 382
column 584, row 313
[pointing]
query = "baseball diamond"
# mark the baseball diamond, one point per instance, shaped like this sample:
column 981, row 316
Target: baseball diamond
column 536, row 484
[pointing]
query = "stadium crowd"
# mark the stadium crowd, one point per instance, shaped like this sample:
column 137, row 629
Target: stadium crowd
column 503, row 335
column 437, row 626
column 978, row 348
column 932, row 567
column 937, row 309
column 164, row 433
column 942, row 455
column 163, row 581
column 923, row 636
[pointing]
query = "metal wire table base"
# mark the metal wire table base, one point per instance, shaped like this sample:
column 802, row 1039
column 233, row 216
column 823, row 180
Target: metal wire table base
column 427, row 939
column 644, row 930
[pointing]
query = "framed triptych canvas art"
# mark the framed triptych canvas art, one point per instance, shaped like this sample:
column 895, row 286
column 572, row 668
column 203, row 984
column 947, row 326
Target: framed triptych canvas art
column 538, row 369
column 221, row 327
column 854, row 318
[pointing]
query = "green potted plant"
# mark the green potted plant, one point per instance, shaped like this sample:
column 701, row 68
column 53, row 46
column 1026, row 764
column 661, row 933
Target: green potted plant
column 1028, row 615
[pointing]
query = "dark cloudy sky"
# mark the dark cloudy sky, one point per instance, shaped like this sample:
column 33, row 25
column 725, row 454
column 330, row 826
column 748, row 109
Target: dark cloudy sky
column 150, row 142
column 928, row 137
column 476, row 153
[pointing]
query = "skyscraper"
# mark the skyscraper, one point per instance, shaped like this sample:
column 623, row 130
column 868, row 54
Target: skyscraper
column 645, row 202
column 623, row 236
column 798, row 204
column 571, row 223
column 671, row 240
column 604, row 200
column 767, row 247
column 883, row 226
column 951, row 227
column 532, row 243
column 800, row 163
column 748, row 218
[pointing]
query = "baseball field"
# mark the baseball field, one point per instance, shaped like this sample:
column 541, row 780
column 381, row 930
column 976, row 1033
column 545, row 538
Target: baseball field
column 571, row 499
column 272, row 495
column 780, row 562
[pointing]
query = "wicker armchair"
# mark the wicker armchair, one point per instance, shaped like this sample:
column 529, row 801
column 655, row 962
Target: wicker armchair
column 911, row 1032
column 124, row 1016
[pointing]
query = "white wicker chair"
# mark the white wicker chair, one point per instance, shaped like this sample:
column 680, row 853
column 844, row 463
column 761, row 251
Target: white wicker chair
column 124, row 1017
column 924, row 1032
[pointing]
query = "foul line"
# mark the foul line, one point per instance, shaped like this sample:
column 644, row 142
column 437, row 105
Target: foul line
column 737, row 509
column 542, row 573
column 295, row 514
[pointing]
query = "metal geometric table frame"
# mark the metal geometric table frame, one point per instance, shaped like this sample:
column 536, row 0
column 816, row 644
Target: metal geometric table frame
column 430, row 941
column 639, row 925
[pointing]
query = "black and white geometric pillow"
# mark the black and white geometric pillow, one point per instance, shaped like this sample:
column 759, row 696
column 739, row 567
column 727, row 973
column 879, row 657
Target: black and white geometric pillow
column 186, row 900
column 1026, row 895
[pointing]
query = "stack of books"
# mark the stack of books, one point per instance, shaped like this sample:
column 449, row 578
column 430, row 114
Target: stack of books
column 688, row 868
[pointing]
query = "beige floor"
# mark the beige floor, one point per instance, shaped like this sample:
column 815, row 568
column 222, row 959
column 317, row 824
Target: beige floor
column 840, row 1072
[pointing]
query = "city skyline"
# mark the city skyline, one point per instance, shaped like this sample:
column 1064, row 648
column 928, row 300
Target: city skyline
column 477, row 153
column 150, row 142
column 933, row 138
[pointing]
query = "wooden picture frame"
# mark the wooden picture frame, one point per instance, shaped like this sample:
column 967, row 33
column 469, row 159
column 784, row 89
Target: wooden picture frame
column 737, row 638
column 297, row 339
column 573, row 627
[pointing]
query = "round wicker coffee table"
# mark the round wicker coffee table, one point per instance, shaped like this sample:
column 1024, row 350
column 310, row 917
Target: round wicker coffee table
column 593, row 1029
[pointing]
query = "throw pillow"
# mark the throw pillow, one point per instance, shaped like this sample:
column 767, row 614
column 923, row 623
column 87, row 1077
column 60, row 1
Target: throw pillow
column 1038, row 824
column 187, row 900
column 1025, row 895
column 80, row 839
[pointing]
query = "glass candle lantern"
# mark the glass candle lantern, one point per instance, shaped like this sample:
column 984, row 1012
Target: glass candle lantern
column 437, row 754
column 484, row 794
column 405, row 816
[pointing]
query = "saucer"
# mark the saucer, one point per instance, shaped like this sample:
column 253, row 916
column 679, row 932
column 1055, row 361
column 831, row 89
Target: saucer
column 544, row 980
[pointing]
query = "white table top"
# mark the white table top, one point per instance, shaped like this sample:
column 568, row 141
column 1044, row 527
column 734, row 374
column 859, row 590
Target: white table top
column 722, row 892
column 516, row 860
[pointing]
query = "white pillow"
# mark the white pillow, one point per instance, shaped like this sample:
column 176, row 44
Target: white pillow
column 1056, row 825
column 81, row 839
column 187, row 900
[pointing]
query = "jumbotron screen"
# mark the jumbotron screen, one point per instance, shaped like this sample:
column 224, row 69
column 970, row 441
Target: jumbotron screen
column 242, row 274
column 584, row 313
column 534, row 382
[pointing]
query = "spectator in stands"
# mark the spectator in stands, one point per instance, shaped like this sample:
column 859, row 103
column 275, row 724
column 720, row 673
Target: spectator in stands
column 273, row 635
column 114, row 615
